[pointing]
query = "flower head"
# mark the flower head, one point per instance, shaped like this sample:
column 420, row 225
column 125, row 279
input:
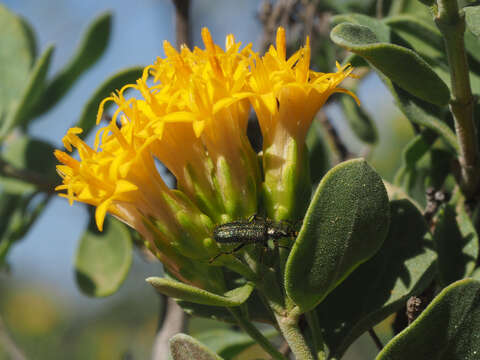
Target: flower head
column 192, row 116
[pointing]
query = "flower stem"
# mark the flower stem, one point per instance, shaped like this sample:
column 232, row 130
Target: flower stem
column 291, row 332
column 318, row 342
column 255, row 334
column 452, row 26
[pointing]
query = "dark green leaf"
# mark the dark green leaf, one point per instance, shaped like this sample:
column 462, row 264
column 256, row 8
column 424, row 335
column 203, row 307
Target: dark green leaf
column 401, row 65
column 16, row 58
column 345, row 225
column 116, row 81
column 18, row 214
column 91, row 48
column 447, row 329
column 422, row 113
column 184, row 347
column 472, row 17
column 34, row 156
column 403, row 267
column 418, row 147
column 360, row 122
column 422, row 34
column 20, row 112
column 456, row 241
column 196, row 295
column 103, row 258
column 319, row 154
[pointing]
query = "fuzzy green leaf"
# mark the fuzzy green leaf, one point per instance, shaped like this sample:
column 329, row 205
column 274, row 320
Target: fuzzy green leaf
column 360, row 122
column 20, row 112
column 196, row 295
column 345, row 225
column 184, row 347
column 91, row 48
column 381, row 31
column 103, row 259
column 472, row 17
column 401, row 65
column 17, row 54
column 116, row 81
column 404, row 266
column 447, row 329
column 456, row 241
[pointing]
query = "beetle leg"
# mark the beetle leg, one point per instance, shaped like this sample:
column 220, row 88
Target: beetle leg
column 227, row 252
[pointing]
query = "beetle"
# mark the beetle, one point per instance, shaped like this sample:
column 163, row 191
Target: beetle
column 254, row 230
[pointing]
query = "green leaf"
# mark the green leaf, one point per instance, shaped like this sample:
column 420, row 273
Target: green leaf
column 318, row 151
column 103, row 259
column 116, row 81
column 401, row 65
column 228, row 343
column 34, row 156
column 184, row 347
column 422, row 113
column 196, row 295
column 16, row 58
column 447, row 329
column 381, row 31
column 18, row 214
column 404, row 266
column 257, row 311
column 20, row 112
column 421, row 33
column 91, row 48
column 360, row 122
column 345, row 225
column 472, row 17
column 456, row 241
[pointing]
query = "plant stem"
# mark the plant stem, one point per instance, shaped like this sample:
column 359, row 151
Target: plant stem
column 452, row 26
column 255, row 334
column 318, row 342
column 291, row 332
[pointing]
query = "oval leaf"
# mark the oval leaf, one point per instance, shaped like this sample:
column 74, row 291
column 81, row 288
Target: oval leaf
column 381, row 31
column 91, row 48
column 447, row 329
column 404, row 266
column 456, row 241
column 401, row 65
column 116, row 81
column 196, row 295
column 103, row 258
column 184, row 347
column 20, row 113
column 16, row 58
column 472, row 17
column 345, row 225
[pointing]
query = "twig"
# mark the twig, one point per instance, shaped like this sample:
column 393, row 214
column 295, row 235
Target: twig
column 452, row 26
column 9, row 345
column 182, row 26
column 375, row 339
column 174, row 322
column 8, row 170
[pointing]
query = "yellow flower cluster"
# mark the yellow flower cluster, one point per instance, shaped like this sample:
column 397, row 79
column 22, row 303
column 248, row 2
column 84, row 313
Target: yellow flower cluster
column 192, row 117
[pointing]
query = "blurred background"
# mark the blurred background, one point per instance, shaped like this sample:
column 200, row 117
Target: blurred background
column 40, row 303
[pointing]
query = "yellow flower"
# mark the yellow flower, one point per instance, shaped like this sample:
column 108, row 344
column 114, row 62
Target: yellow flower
column 287, row 95
column 192, row 116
